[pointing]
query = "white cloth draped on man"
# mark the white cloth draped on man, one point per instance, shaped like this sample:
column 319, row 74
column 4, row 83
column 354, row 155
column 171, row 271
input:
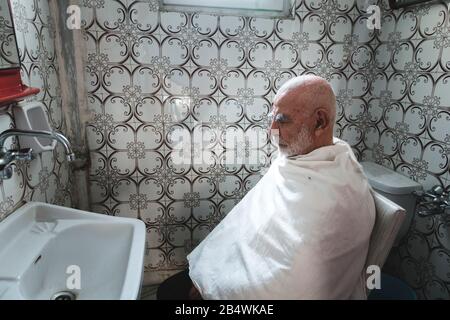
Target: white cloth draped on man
column 301, row 233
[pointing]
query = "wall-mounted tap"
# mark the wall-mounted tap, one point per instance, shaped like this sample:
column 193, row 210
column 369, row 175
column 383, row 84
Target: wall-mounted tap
column 8, row 156
column 434, row 202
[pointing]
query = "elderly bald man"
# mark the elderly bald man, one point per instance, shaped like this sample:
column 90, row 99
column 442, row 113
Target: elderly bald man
column 303, row 231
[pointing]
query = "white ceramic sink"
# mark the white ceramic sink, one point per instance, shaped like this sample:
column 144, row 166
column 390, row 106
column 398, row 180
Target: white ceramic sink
column 47, row 249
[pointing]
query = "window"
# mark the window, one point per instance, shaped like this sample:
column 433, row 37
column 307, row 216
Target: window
column 252, row 8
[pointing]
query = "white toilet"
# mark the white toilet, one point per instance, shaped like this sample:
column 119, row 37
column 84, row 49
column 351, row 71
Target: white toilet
column 395, row 187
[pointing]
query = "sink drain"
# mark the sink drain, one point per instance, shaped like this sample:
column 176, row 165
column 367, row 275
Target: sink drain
column 64, row 295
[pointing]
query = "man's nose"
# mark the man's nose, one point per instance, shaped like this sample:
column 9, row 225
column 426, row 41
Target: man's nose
column 274, row 130
column 273, row 125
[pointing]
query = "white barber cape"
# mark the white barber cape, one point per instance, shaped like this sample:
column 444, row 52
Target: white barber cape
column 301, row 233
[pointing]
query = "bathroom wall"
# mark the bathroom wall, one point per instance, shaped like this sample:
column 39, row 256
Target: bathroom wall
column 47, row 178
column 409, row 112
column 151, row 76
column 69, row 51
column 8, row 50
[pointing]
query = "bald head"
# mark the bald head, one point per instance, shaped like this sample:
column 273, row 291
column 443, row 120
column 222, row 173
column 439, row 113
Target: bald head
column 312, row 91
column 304, row 111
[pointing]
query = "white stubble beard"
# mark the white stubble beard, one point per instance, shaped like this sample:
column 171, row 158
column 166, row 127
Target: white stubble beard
column 300, row 146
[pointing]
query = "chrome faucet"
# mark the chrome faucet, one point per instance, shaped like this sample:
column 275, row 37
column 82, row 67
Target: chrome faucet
column 8, row 156
column 434, row 202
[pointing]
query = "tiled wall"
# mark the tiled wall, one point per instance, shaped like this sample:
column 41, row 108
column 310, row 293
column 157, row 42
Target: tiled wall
column 47, row 178
column 409, row 131
column 9, row 56
column 152, row 75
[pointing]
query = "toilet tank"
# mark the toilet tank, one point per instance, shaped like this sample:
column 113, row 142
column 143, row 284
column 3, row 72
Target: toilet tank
column 395, row 187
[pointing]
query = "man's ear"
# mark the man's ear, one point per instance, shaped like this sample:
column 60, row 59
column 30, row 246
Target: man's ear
column 322, row 120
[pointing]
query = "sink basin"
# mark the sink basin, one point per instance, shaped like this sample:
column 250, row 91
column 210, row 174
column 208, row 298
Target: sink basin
column 52, row 252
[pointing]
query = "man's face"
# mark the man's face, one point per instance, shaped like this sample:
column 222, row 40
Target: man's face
column 291, row 125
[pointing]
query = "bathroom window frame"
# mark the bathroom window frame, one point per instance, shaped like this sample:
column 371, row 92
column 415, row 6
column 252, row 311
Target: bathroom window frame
column 288, row 11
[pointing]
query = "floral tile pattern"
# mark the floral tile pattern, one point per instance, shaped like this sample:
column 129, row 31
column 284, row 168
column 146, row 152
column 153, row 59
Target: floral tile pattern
column 410, row 110
column 175, row 97
column 9, row 57
column 154, row 77
column 47, row 178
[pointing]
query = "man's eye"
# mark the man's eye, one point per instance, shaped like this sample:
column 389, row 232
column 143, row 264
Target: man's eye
column 277, row 117
column 280, row 118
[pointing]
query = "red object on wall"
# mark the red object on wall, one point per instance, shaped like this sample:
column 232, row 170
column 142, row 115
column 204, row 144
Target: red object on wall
column 11, row 87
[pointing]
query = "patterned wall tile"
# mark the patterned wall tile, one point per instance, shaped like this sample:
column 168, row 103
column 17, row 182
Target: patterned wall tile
column 169, row 75
column 412, row 136
column 48, row 177
column 155, row 78
column 9, row 57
